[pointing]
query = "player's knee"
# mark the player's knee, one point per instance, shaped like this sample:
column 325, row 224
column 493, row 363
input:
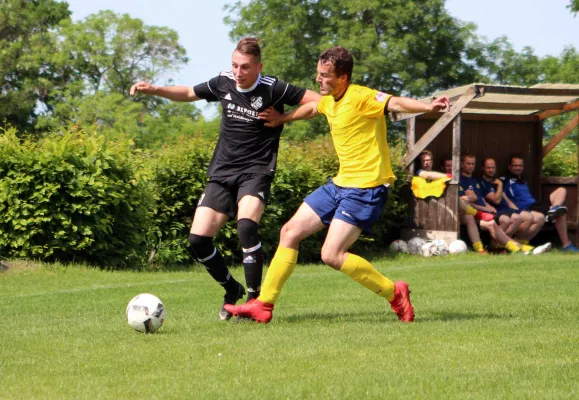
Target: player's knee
column 247, row 230
column 289, row 233
column 331, row 257
column 488, row 225
column 202, row 245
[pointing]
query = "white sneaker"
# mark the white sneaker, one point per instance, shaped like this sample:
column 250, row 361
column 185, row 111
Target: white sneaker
column 541, row 249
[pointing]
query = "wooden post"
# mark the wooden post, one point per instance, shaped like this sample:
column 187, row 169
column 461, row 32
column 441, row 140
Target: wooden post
column 456, row 133
column 456, row 149
column 440, row 124
column 577, row 213
column 410, row 140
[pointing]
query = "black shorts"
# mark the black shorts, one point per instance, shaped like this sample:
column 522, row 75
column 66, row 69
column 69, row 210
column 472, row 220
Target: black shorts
column 542, row 208
column 223, row 193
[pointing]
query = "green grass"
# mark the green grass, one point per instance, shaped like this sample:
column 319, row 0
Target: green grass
column 486, row 328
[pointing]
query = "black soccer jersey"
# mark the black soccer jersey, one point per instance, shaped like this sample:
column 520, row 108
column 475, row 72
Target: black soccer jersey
column 245, row 145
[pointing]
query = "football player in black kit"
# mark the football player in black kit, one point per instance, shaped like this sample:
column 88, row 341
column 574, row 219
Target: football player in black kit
column 243, row 163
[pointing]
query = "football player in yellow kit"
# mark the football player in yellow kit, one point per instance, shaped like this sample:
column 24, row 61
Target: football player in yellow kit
column 351, row 201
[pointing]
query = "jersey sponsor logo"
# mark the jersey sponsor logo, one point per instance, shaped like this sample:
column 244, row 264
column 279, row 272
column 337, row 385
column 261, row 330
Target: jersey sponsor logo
column 227, row 97
column 256, row 102
column 346, row 214
column 380, row 97
column 231, row 106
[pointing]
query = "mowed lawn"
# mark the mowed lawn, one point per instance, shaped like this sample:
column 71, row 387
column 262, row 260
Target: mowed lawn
column 487, row 327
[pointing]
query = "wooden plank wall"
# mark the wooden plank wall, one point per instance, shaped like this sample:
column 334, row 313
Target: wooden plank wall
column 437, row 214
column 492, row 139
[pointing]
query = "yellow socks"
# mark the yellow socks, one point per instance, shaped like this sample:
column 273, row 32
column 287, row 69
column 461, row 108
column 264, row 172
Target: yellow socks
column 526, row 248
column 470, row 210
column 280, row 269
column 512, row 247
column 366, row 275
column 478, row 246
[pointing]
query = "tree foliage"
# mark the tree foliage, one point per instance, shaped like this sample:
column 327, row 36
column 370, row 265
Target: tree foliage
column 412, row 48
column 27, row 66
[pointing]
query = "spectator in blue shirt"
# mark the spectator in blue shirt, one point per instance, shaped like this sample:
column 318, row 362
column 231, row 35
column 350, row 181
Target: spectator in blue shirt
column 469, row 192
column 517, row 190
column 492, row 190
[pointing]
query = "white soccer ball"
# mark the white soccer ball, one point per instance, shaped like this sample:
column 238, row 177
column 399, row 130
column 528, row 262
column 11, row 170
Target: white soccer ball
column 439, row 248
column 415, row 245
column 427, row 249
column 399, row 246
column 145, row 313
column 456, row 247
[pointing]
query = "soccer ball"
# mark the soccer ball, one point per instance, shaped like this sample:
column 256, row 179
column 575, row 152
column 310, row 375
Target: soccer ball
column 399, row 246
column 415, row 245
column 427, row 249
column 456, row 247
column 439, row 248
column 145, row 313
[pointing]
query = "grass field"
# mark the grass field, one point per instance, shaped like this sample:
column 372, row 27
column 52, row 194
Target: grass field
column 486, row 327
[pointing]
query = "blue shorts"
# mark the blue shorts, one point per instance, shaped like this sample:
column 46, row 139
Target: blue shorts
column 358, row 207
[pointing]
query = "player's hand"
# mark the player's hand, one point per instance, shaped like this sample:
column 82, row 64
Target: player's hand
column 497, row 182
column 143, row 87
column 271, row 116
column 441, row 104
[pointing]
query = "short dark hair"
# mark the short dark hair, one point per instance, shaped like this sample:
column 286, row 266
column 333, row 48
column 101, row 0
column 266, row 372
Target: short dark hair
column 341, row 59
column 425, row 153
column 249, row 46
column 514, row 156
column 464, row 156
column 484, row 161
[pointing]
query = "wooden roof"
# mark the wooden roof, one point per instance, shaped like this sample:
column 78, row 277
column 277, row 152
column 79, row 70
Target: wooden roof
column 538, row 102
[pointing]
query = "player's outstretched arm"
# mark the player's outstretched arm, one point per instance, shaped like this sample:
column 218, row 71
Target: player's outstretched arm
column 408, row 105
column 432, row 175
column 176, row 93
column 273, row 118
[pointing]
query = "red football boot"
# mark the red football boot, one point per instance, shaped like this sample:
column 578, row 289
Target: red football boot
column 256, row 310
column 401, row 302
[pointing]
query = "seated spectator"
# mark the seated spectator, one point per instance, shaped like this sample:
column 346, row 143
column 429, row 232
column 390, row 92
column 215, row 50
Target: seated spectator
column 469, row 192
column 468, row 214
column 519, row 194
column 446, row 166
column 492, row 190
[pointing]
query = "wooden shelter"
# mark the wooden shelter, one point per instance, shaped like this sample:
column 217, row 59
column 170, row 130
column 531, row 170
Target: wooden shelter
column 489, row 121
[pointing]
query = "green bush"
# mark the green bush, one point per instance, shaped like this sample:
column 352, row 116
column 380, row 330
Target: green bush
column 71, row 196
column 562, row 160
column 179, row 178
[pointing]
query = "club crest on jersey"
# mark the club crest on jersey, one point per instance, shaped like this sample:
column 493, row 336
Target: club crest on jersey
column 231, row 106
column 380, row 97
column 256, row 102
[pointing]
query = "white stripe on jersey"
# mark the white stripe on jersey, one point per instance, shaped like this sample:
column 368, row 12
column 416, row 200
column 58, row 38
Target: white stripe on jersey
column 209, row 87
column 266, row 80
column 283, row 94
column 228, row 74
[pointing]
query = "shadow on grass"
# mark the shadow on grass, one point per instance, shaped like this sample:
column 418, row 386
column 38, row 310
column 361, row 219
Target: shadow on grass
column 455, row 316
column 389, row 317
column 335, row 317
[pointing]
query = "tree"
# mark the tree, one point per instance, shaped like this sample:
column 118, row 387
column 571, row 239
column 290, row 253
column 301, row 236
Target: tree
column 101, row 57
column 502, row 64
column 27, row 67
column 412, row 48
column 574, row 6
column 110, row 52
column 404, row 48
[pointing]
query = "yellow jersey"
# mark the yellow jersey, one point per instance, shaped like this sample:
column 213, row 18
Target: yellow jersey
column 358, row 127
